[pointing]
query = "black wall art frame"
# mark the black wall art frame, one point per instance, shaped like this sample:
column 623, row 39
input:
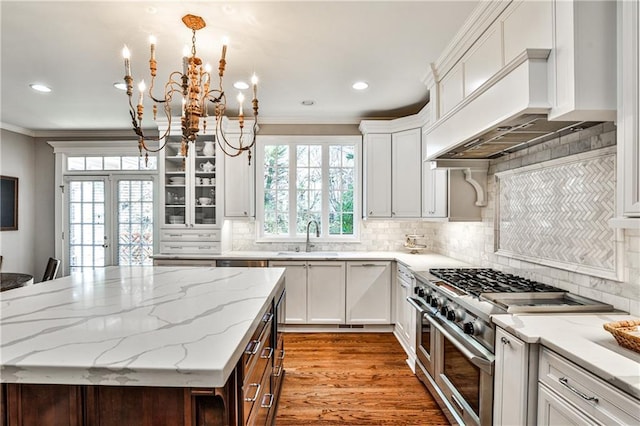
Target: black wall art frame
column 8, row 203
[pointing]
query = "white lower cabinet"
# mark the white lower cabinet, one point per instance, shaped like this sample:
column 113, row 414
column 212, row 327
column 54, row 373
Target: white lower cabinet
column 569, row 394
column 315, row 291
column 335, row 292
column 554, row 410
column 325, row 292
column 514, row 377
column 368, row 299
column 405, row 314
column 295, row 279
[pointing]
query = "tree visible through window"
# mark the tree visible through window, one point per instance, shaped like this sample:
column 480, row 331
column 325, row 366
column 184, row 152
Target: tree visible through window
column 309, row 181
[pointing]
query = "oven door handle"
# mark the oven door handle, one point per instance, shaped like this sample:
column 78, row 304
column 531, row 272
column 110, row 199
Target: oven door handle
column 420, row 307
column 482, row 361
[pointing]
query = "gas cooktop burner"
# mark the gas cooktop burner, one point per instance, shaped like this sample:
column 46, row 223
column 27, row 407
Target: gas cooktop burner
column 478, row 281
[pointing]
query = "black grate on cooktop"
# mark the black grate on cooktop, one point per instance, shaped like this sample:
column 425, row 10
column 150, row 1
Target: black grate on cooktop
column 485, row 280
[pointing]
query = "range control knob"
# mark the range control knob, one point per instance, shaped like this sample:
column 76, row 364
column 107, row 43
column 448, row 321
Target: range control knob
column 415, row 290
column 455, row 315
column 444, row 311
column 472, row 328
column 421, row 292
column 429, row 298
column 435, row 302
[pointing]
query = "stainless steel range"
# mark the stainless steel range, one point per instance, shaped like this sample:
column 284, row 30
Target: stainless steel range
column 455, row 336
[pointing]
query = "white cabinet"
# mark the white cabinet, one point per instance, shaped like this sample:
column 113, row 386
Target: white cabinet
column 368, row 298
column 335, row 292
column 435, row 184
column 392, row 174
column 553, row 410
column 628, row 132
column 377, row 175
column 581, row 83
column 315, row 291
column 406, row 169
column 405, row 321
column 569, row 394
column 189, row 214
column 295, row 279
column 325, row 292
column 514, row 378
column 239, row 175
column 239, row 187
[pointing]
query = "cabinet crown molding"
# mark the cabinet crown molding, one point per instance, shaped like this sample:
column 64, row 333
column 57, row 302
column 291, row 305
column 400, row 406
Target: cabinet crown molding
column 414, row 121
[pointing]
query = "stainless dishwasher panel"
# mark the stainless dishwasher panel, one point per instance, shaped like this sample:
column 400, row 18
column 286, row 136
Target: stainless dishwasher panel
column 242, row 263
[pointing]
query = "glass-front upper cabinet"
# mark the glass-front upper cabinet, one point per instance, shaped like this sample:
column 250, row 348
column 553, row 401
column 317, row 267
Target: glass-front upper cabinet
column 189, row 193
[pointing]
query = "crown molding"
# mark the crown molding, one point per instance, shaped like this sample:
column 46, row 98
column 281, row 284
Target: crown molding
column 399, row 124
column 17, row 129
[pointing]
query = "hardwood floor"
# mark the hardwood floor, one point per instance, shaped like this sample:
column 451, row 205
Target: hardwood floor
column 351, row 379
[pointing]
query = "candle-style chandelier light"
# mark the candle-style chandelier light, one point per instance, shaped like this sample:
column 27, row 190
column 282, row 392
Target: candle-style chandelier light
column 194, row 84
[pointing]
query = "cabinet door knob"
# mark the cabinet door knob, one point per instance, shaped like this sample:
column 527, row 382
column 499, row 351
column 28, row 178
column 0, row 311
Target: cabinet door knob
column 371, row 212
column 505, row 341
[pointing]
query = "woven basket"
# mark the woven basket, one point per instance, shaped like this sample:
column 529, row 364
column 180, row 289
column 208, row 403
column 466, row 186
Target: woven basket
column 621, row 330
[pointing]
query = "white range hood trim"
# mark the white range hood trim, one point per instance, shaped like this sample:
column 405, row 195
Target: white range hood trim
column 519, row 88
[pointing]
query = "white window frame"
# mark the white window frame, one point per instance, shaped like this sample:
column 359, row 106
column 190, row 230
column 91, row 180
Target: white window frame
column 292, row 141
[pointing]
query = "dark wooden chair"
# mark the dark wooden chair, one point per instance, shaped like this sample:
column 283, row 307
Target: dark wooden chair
column 51, row 270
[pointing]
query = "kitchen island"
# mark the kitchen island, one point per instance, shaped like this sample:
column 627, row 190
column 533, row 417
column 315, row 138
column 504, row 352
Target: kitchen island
column 137, row 345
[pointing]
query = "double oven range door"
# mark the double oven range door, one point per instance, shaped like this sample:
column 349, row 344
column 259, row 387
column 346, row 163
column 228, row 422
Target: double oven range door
column 461, row 369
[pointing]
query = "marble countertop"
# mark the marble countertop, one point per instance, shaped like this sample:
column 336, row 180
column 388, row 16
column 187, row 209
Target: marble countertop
column 581, row 339
column 417, row 262
column 134, row 326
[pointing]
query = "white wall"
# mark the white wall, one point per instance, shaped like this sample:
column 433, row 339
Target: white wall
column 17, row 158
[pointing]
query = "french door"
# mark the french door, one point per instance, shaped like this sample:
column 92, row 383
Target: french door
column 109, row 220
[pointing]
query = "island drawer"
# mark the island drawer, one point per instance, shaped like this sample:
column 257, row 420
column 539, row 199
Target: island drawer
column 257, row 360
column 590, row 394
column 265, row 400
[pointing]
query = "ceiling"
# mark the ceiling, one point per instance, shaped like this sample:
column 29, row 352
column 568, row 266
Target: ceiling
column 309, row 50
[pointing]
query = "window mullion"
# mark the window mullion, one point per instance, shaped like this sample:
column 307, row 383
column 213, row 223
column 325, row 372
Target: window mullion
column 293, row 189
column 325, row 191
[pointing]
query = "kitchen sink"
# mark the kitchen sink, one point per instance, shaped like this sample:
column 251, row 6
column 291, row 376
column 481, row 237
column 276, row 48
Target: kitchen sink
column 307, row 254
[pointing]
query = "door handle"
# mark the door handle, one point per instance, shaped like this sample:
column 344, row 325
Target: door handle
column 105, row 244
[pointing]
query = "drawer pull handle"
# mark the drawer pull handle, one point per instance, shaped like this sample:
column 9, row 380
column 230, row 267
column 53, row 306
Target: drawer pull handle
column 203, row 247
column 278, row 372
column 270, row 396
column 505, row 341
column 267, row 317
column 457, row 405
column 175, row 235
column 204, row 235
column 255, row 396
column 565, row 382
column 252, row 347
column 283, row 354
column 268, row 356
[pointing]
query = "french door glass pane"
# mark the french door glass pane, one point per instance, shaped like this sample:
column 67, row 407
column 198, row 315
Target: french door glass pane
column 135, row 222
column 86, row 223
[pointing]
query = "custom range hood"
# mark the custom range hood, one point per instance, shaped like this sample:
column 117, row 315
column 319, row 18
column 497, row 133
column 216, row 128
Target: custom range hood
column 508, row 112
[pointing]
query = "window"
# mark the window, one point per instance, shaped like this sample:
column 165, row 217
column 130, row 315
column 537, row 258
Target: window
column 97, row 162
column 308, row 178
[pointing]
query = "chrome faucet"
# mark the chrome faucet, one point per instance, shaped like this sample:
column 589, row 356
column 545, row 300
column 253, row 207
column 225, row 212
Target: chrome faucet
column 308, row 244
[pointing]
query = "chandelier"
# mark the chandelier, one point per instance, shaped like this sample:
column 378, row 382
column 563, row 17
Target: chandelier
column 194, row 85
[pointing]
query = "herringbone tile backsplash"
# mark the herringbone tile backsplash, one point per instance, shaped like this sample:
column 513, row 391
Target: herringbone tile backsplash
column 557, row 214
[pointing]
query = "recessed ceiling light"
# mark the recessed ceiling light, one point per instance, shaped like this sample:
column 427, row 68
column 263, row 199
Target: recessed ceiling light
column 360, row 85
column 308, row 102
column 120, row 85
column 40, row 87
column 241, row 85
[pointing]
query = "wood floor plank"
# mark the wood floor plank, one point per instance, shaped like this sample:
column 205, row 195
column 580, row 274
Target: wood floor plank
column 351, row 379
